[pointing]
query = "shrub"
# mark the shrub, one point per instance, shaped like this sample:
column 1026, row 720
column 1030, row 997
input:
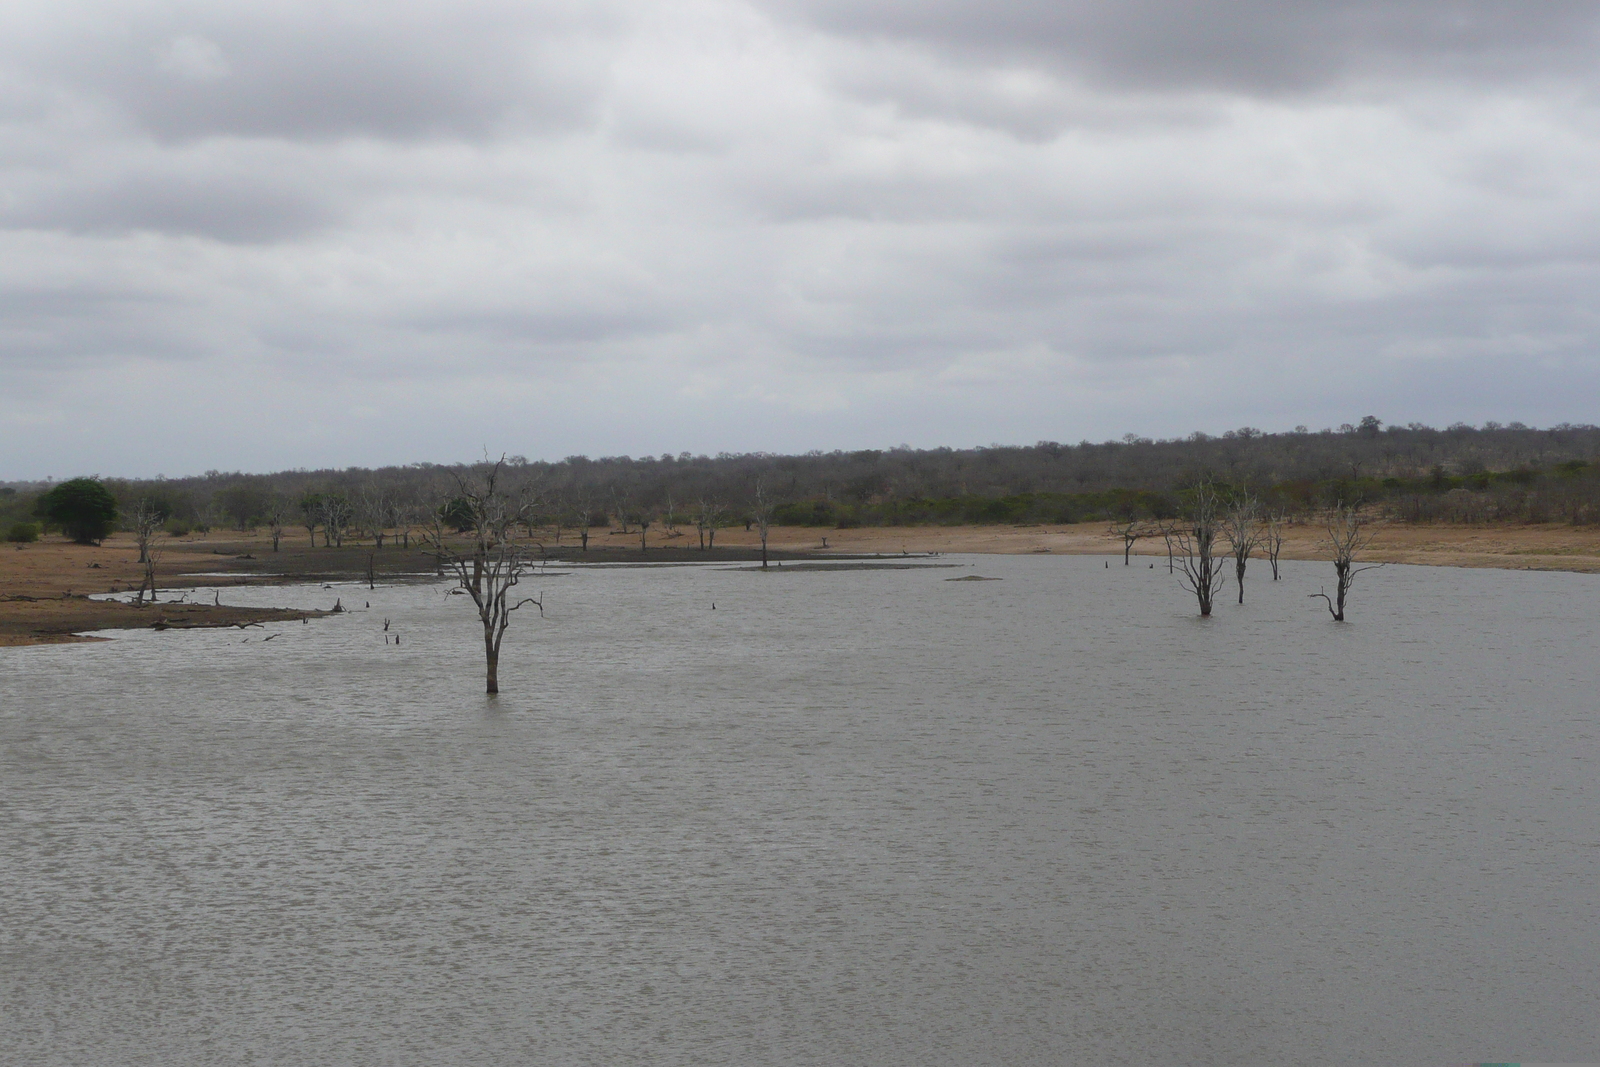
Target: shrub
column 23, row 532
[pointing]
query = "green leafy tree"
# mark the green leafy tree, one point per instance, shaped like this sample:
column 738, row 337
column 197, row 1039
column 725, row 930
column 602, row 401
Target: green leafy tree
column 83, row 508
column 458, row 514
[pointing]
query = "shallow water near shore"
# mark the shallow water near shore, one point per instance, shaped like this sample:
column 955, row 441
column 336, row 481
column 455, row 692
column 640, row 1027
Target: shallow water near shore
column 855, row 817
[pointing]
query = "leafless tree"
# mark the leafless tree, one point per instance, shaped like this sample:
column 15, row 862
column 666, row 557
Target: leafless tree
column 209, row 516
column 276, row 512
column 310, row 507
column 1348, row 534
column 492, row 561
column 1130, row 530
column 334, row 510
column 585, row 516
column 370, row 512
column 709, row 518
column 761, row 515
column 1192, row 541
column 1241, row 525
column 557, row 510
column 1272, row 537
column 146, row 517
column 401, row 518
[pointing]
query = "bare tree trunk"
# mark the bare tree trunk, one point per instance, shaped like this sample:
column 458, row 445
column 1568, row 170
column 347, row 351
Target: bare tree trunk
column 1206, row 562
column 491, row 657
column 149, row 576
column 583, row 536
column 763, row 519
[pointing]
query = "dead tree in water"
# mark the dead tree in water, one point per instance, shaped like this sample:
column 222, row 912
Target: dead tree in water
column 1241, row 525
column 1130, row 532
column 1192, row 542
column 761, row 514
column 1272, row 537
column 1348, row 534
column 492, row 561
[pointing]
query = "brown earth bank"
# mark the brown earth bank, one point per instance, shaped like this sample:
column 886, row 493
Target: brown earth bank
column 44, row 587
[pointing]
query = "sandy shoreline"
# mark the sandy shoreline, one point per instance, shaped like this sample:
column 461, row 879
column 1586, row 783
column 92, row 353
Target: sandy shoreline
column 44, row 587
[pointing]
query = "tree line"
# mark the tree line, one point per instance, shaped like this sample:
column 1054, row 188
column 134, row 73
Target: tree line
column 1414, row 473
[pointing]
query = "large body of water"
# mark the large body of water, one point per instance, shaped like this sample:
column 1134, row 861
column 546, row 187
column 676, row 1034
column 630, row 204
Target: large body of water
column 859, row 817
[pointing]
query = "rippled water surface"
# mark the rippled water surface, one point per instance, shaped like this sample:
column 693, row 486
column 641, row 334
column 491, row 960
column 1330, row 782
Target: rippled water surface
column 864, row 817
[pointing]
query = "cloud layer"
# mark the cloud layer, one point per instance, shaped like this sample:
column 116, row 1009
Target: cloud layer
column 255, row 236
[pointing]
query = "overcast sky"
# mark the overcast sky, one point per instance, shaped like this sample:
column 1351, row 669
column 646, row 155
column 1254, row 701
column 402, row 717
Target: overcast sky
column 253, row 236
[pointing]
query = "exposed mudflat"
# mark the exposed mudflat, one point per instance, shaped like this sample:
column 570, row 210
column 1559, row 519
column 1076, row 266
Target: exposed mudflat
column 44, row 587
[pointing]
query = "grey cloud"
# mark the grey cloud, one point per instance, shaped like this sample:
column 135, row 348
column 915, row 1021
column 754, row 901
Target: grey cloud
column 304, row 71
column 921, row 224
column 48, row 328
column 533, row 328
column 231, row 208
column 1256, row 46
column 1025, row 104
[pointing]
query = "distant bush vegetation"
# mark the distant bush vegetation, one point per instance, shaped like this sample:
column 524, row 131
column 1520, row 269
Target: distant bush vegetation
column 1461, row 474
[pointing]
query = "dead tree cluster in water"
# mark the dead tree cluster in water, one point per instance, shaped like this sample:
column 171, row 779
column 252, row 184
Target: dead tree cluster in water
column 1193, row 544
